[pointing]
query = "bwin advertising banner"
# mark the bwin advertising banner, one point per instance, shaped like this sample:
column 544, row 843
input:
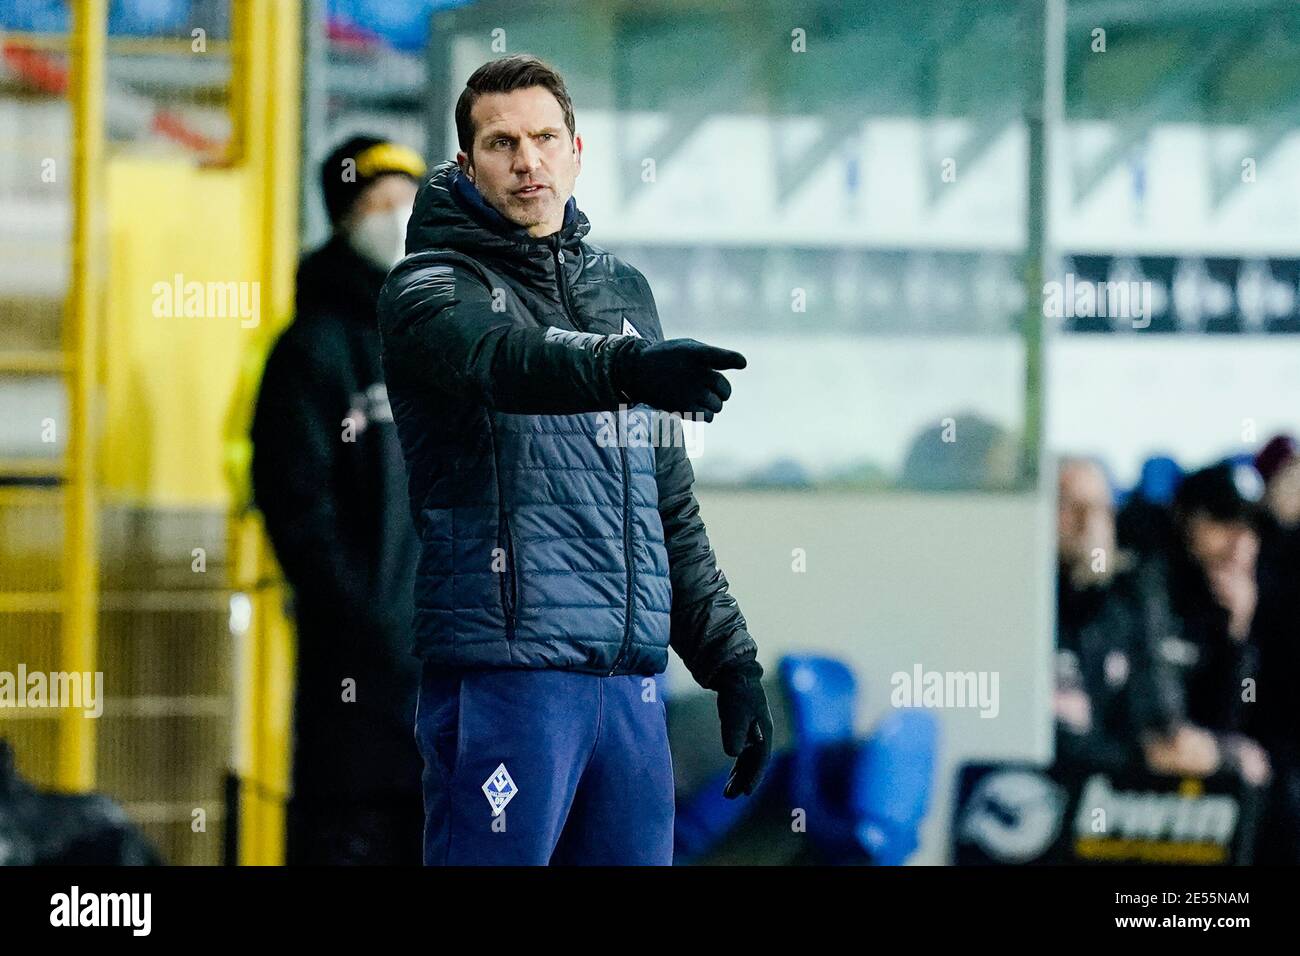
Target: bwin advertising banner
column 1021, row 814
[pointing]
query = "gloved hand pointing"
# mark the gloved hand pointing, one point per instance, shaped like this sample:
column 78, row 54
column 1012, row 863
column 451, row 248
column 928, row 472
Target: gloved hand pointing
column 678, row 375
column 746, row 726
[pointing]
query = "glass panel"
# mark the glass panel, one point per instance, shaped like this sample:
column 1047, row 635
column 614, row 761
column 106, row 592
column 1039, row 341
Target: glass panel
column 837, row 192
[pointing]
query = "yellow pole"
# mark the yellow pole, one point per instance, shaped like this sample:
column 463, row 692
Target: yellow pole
column 266, row 96
column 82, row 317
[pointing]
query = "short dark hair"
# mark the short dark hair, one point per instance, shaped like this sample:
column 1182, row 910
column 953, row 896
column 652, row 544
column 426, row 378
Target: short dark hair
column 515, row 72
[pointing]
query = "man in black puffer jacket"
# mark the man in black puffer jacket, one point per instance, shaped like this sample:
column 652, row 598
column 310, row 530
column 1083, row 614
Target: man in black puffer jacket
column 329, row 479
column 539, row 410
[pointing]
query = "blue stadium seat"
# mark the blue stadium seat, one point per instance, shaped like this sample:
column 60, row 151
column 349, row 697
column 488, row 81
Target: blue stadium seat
column 125, row 17
column 892, row 783
column 822, row 694
column 404, row 24
column 863, row 800
column 706, row 816
column 860, row 796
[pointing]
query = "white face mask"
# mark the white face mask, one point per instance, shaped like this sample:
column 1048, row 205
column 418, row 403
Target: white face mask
column 380, row 237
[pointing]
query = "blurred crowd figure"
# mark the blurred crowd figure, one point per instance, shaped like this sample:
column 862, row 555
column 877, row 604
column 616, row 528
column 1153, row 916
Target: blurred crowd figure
column 48, row 828
column 1178, row 625
column 985, row 458
column 329, row 479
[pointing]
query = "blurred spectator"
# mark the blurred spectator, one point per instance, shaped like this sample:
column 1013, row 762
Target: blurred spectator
column 1233, row 642
column 1118, row 707
column 963, row 452
column 1239, row 622
column 1215, row 593
column 1278, row 452
column 40, row 828
column 1278, row 463
column 329, row 478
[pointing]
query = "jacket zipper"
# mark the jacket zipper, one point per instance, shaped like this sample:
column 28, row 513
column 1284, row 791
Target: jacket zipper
column 513, row 590
column 627, row 481
column 564, row 289
column 628, row 558
column 506, row 540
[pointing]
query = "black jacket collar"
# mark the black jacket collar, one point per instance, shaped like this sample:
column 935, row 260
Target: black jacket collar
column 450, row 213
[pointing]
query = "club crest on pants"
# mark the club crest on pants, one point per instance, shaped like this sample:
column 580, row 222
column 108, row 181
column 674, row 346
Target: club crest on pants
column 499, row 789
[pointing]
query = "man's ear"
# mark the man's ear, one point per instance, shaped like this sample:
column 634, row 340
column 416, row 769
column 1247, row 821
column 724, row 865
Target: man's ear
column 577, row 148
column 466, row 166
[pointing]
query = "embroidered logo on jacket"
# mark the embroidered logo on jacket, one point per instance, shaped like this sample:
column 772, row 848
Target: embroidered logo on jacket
column 629, row 328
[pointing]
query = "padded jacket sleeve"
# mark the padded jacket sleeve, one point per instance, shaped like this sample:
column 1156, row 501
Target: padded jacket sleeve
column 440, row 331
column 708, row 631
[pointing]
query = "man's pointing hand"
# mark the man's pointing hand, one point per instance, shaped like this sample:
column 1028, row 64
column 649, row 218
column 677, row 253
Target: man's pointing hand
column 679, row 375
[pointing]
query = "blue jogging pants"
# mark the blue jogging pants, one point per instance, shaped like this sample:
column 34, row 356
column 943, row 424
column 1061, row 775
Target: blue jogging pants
column 536, row 767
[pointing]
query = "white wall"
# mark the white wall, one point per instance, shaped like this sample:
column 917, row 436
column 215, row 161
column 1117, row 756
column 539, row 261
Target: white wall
column 1198, row 398
column 829, row 401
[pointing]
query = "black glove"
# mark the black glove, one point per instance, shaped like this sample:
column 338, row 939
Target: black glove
column 746, row 725
column 677, row 376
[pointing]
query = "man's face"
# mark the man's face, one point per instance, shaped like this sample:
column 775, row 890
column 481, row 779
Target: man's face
column 1222, row 546
column 522, row 159
column 1085, row 517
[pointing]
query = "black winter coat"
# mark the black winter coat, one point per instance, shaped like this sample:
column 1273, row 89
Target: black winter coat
column 1108, row 645
column 548, row 540
column 329, row 479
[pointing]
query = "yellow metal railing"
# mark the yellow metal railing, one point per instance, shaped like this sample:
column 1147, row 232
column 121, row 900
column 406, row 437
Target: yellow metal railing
column 76, row 759
column 124, row 450
column 266, row 95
